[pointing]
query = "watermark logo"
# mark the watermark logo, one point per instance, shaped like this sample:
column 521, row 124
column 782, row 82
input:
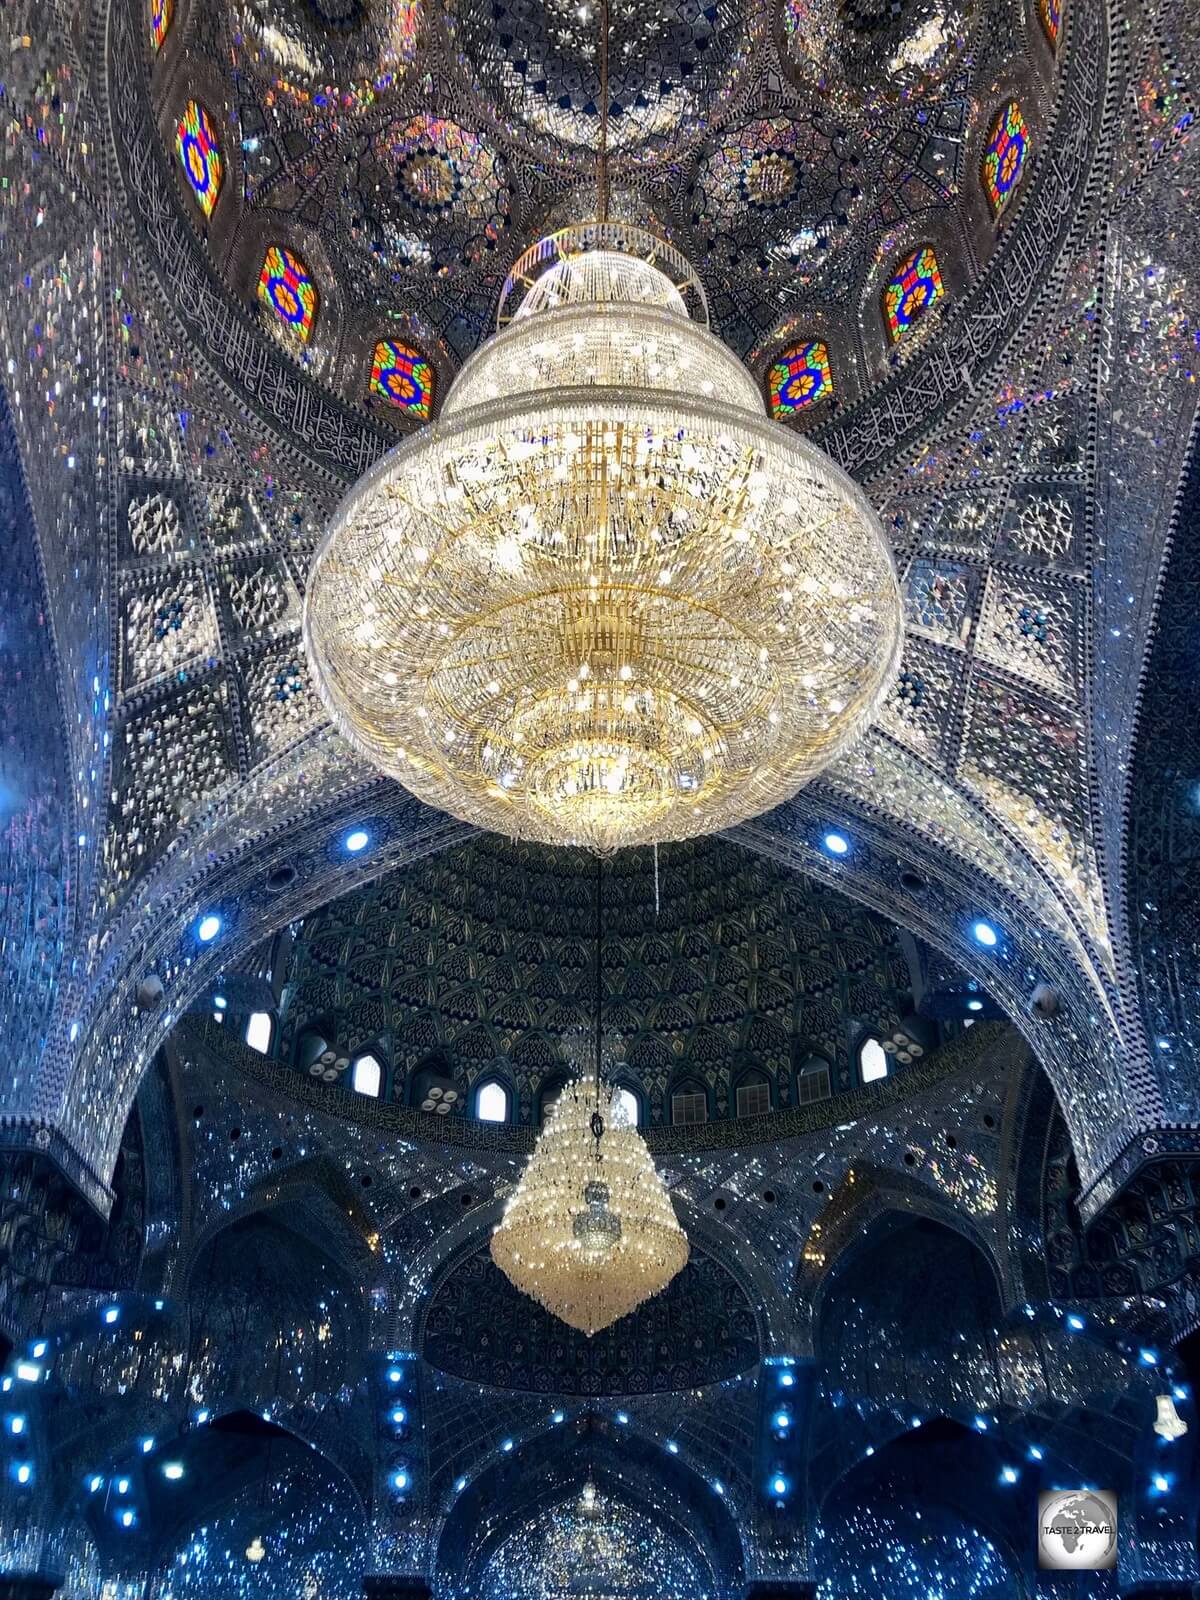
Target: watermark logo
column 1077, row 1530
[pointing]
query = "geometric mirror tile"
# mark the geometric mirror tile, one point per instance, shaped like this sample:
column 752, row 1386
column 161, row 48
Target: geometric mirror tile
column 1033, row 628
column 939, row 599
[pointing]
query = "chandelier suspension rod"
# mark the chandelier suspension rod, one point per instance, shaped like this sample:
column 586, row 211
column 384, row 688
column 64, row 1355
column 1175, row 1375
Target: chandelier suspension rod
column 599, row 976
column 602, row 160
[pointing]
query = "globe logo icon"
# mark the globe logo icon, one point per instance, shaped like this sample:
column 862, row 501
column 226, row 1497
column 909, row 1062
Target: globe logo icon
column 1077, row 1530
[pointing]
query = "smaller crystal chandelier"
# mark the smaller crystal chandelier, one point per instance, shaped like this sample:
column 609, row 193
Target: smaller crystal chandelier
column 590, row 1231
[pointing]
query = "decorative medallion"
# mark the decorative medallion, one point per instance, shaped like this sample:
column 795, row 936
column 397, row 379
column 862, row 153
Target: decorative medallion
column 427, row 196
column 777, row 192
column 332, row 55
column 875, row 51
column 537, row 61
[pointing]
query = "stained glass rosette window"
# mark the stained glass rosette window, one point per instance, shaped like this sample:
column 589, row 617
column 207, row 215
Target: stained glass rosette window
column 1050, row 11
column 1004, row 158
column 912, row 289
column 401, row 377
column 286, row 286
column 162, row 13
column 799, row 378
column 200, row 156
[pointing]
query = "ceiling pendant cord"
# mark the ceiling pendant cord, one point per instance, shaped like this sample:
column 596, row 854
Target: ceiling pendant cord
column 597, row 1049
column 602, row 159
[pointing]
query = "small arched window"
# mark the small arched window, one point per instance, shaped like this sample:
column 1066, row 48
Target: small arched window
column 813, row 1082
column 258, row 1031
column 367, row 1075
column 913, row 288
column 626, row 1107
column 1004, row 158
column 872, row 1061
column 753, row 1095
column 286, row 286
column 689, row 1105
column 491, row 1101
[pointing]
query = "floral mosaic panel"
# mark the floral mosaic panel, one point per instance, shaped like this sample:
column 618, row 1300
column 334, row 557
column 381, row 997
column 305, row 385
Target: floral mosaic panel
column 919, row 708
column 1040, row 525
column 153, row 524
column 165, row 623
column 939, row 599
column 280, row 699
column 167, row 760
column 1033, row 629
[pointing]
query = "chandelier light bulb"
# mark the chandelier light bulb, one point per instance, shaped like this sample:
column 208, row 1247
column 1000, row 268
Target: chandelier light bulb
column 603, row 600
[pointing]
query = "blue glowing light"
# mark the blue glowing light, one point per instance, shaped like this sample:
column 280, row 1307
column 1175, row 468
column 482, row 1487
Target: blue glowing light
column 782, row 1420
column 112, row 1314
column 622, row 1416
column 394, row 1375
column 459, row 1485
column 672, row 1447
column 1180, row 1391
column 39, row 1349
column 16, row 1425
column 557, row 1417
column 836, row 844
column 787, row 1380
column 400, row 1479
column 147, row 1446
column 983, row 933
column 1148, row 1358
column 974, row 1005
column 173, row 1470
column 220, row 1002
column 95, row 1483
column 507, row 1445
column 779, row 1484
column 718, row 1486
column 357, row 839
column 981, row 1424
column 1076, row 1323
column 202, row 1417
column 208, row 928
column 1160, row 1483
column 1036, row 1453
column 127, row 1518
column 1009, row 1474
column 28, row 1372
column 24, row 1472
column 122, row 1485
column 399, row 1416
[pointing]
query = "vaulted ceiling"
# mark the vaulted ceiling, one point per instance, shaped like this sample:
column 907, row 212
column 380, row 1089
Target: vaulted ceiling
column 174, row 452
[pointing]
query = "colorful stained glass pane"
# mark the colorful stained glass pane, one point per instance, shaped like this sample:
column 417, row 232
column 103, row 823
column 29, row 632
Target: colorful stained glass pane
column 161, row 14
column 285, row 285
column 1004, row 158
column 799, row 378
column 402, row 377
column 1050, row 12
column 203, row 167
column 908, row 294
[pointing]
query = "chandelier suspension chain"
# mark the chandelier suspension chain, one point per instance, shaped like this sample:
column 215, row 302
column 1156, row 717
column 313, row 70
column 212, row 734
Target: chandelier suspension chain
column 602, row 162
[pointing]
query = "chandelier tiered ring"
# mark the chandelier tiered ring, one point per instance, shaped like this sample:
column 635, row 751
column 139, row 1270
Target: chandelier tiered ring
column 603, row 600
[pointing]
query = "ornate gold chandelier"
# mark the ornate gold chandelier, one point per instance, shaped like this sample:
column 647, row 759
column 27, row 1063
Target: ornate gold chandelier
column 590, row 1231
column 603, row 600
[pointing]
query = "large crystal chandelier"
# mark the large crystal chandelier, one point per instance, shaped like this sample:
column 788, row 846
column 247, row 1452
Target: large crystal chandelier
column 603, row 600
column 590, row 1231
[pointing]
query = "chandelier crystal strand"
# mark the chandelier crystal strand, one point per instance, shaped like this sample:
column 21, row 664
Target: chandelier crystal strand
column 603, row 600
column 557, row 1241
